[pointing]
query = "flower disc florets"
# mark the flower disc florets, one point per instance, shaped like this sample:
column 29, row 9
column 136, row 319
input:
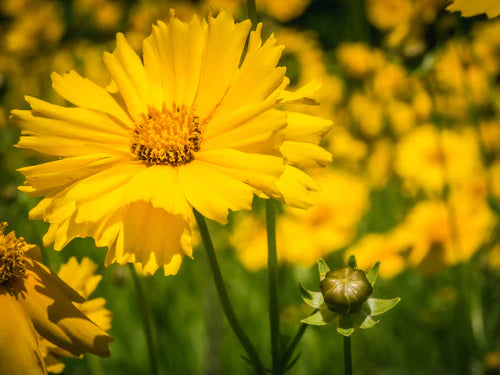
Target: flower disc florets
column 12, row 251
column 167, row 137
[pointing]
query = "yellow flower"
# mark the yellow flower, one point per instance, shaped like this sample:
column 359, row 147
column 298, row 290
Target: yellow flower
column 379, row 166
column 429, row 159
column 358, row 59
column 367, row 112
column 471, row 8
column 283, row 10
column 80, row 277
column 189, row 128
column 388, row 249
column 34, row 301
column 441, row 234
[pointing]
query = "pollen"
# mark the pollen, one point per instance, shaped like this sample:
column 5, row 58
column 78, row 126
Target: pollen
column 12, row 251
column 167, row 136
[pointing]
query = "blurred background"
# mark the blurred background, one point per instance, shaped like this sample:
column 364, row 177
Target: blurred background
column 414, row 94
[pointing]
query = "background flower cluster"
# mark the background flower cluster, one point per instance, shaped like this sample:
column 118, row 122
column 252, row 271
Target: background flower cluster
column 414, row 93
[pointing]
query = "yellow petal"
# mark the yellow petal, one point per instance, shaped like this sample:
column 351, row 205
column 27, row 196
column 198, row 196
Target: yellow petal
column 80, row 276
column 224, row 46
column 304, row 95
column 306, row 128
column 19, row 352
column 130, row 77
column 213, row 193
column 471, row 8
column 257, row 170
column 83, row 92
column 159, row 185
column 305, row 155
column 152, row 237
column 55, row 317
column 295, row 187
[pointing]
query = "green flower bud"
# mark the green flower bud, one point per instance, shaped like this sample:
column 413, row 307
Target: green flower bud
column 345, row 290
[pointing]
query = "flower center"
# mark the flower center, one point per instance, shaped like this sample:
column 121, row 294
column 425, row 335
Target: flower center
column 11, row 255
column 167, row 137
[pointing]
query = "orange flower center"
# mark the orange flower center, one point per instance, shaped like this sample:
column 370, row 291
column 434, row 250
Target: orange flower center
column 167, row 137
column 11, row 255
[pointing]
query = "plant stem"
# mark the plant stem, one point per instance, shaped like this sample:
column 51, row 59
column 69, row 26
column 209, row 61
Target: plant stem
column 272, row 268
column 291, row 348
column 223, row 296
column 347, row 355
column 146, row 320
column 252, row 12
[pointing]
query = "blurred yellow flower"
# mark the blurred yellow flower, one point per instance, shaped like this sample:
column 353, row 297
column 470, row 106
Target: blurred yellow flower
column 401, row 116
column 429, row 159
column 358, row 59
column 441, row 234
column 34, row 301
column 283, row 10
column 189, row 128
column 305, row 236
column 391, row 15
column 80, row 277
column 367, row 112
column 380, row 163
column 472, row 8
column 388, row 249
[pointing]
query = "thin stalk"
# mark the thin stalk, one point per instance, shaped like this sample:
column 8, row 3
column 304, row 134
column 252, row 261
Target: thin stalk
column 252, row 12
column 272, row 268
column 223, row 296
column 291, row 348
column 347, row 355
column 146, row 320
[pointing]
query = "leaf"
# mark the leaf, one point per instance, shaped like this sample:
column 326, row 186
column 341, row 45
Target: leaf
column 379, row 306
column 293, row 362
column 372, row 274
column 323, row 269
column 368, row 322
column 345, row 332
column 313, row 299
column 351, row 262
column 319, row 318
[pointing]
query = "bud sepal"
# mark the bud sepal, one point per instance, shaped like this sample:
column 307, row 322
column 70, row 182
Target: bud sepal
column 352, row 311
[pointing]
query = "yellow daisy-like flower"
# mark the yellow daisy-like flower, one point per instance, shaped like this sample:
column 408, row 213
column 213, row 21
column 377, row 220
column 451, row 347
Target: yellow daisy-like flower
column 81, row 277
column 34, row 301
column 190, row 126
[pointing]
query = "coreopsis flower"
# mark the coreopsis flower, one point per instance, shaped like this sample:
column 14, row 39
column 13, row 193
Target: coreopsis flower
column 34, row 301
column 190, row 127
column 473, row 8
column 82, row 278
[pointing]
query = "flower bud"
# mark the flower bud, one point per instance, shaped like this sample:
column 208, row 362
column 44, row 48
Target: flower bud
column 345, row 290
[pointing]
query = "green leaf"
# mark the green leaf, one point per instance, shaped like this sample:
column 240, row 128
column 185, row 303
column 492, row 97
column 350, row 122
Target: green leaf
column 380, row 306
column 368, row 322
column 323, row 269
column 372, row 274
column 319, row 318
column 313, row 299
column 351, row 262
column 345, row 332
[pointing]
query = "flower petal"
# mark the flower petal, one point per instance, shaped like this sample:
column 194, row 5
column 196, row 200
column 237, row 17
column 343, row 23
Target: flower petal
column 19, row 351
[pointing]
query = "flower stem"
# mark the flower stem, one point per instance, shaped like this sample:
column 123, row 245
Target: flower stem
column 291, row 348
column 223, row 296
column 272, row 267
column 347, row 355
column 146, row 320
column 252, row 12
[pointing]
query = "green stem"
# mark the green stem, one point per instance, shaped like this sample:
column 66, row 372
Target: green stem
column 146, row 320
column 272, row 267
column 291, row 348
column 252, row 12
column 347, row 355
column 223, row 296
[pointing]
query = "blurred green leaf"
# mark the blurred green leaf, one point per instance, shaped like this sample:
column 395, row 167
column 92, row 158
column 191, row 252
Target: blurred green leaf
column 351, row 262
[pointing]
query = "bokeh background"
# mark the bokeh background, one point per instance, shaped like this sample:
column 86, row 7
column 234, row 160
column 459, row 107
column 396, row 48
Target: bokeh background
column 414, row 94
